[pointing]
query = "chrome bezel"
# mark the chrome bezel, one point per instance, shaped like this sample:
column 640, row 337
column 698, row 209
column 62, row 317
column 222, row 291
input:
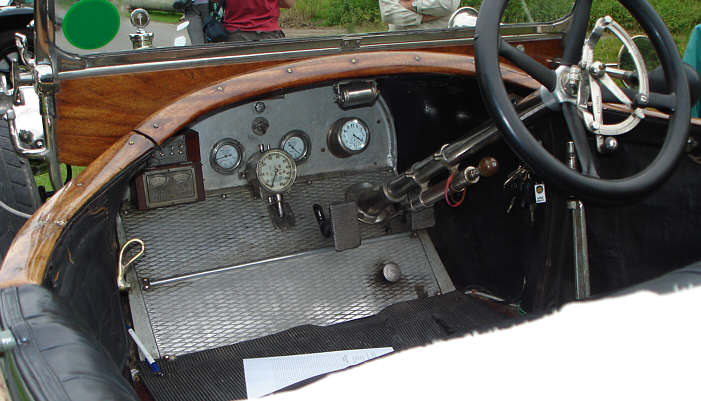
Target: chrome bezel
column 293, row 173
column 304, row 137
column 335, row 141
column 145, row 18
column 213, row 153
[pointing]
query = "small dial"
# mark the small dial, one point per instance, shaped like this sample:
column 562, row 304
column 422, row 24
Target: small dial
column 226, row 156
column 348, row 136
column 355, row 135
column 297, row 144
column 276, row 171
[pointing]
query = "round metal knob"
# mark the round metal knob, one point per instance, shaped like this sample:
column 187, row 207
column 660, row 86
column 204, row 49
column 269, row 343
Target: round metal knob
column 488, row 166
column 391, row 272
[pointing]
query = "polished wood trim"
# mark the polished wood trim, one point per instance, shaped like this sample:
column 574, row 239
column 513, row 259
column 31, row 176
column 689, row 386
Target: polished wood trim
column 93, row 112
column 27, row 259
column 648, row 112
column 175, row 116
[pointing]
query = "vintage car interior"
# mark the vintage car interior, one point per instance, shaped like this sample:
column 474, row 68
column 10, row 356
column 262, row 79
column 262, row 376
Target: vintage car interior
column 293, row 198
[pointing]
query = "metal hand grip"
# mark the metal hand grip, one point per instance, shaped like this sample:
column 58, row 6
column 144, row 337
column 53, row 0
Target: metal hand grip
column 123, row 268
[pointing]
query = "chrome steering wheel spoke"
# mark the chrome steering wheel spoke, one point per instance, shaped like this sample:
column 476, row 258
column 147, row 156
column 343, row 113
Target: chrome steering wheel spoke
column 594, row 75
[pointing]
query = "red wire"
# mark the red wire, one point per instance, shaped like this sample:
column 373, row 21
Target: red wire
column 446, row 192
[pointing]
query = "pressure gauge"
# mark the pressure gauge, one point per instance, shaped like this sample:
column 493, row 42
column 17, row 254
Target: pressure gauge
column 276, row 171
column 226, row 155
column 348, row 136
column 297, row 144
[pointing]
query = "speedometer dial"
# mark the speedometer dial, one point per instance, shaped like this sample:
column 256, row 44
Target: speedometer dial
column 276, row 171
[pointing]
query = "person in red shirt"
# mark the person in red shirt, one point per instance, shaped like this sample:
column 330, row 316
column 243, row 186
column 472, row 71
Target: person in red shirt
column 248, row 20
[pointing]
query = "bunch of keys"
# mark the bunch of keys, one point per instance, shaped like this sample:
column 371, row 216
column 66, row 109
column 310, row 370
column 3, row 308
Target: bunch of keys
column 525, row 190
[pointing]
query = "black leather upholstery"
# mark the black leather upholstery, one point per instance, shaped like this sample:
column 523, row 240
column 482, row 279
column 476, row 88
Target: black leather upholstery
column 57, row 356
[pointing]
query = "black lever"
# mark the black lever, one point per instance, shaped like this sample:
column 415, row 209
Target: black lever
column 658, row 84
column 324, row 223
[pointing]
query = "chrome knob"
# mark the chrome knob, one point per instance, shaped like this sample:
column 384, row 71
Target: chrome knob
column 391, row 272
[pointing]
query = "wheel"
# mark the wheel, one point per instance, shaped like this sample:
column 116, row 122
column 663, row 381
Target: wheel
column 17, row 189
column 570, row 87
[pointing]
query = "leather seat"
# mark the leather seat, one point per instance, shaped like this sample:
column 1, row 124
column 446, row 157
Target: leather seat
column 57, row 356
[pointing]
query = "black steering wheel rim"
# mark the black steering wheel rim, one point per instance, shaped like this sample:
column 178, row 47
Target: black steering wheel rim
column 525, row 145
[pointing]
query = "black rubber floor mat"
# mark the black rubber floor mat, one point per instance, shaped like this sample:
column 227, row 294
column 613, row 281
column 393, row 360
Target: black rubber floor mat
column 217, row 374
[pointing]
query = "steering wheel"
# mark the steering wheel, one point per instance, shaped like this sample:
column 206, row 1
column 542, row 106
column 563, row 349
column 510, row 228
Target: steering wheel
column 574, row 87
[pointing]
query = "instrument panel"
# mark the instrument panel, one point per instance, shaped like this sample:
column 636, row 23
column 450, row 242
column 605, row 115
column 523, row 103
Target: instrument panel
column 310, row 126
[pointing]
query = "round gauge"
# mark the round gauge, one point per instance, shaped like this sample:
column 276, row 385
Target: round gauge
column 226, row 155
column 348, row 136
column 276, row 171
column 297, row 144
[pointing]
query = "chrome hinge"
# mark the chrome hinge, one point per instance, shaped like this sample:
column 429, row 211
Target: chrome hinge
column 25, row 123
column 7, row 341
column 350, row 43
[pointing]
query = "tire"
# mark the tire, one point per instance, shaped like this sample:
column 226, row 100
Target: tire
column 17, row 189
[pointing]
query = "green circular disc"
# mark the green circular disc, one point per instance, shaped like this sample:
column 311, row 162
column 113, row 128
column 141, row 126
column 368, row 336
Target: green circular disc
column 90, row 24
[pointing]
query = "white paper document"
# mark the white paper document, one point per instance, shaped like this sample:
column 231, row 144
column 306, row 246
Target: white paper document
column 267, row 375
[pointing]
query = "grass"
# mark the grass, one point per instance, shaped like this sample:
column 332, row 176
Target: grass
column 608, row 47
column 167, row 17
column 43, row 179
column 354, row 15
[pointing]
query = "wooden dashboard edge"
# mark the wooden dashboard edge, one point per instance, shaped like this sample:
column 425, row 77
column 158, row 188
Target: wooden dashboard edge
column 27, row 259
column 165, row 122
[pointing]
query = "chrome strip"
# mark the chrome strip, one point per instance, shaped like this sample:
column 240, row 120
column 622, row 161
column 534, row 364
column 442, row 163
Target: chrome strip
column 268, row 56
column 442, row 277
column 170, row 280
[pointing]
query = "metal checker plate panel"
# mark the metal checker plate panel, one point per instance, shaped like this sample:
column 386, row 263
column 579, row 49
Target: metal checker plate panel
column 236, row 229
column 321, row 289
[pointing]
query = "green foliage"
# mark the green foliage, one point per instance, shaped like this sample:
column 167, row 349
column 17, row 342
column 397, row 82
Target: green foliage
column 524, row 11
column 680, row 16
column 352, row 12
column 43, row 179
column 305, row 12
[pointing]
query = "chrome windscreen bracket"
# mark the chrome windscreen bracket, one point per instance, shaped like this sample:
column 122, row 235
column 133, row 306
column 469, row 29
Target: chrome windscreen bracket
column 33, row 113
column 25, row 123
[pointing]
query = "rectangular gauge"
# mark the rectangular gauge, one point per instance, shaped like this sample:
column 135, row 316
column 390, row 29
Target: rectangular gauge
column 159, row 187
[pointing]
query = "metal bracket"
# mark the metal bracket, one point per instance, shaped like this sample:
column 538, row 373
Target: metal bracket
column 344, row 222
column 22, row 45
column 26, row 127
column 33, row 136
column 7, row 341
column 350, row 43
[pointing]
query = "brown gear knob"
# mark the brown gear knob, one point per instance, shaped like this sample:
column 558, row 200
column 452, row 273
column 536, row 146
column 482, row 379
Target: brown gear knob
column 488, row 166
